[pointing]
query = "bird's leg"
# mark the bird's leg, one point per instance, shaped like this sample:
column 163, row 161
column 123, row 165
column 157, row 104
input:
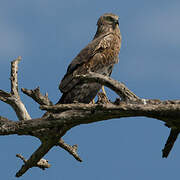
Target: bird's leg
column 103, row 90
column 102, row 97
column 93, row 101
column 105, row 96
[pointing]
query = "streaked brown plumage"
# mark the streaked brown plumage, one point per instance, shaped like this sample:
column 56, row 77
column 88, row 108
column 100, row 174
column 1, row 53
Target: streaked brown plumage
column 98, row 56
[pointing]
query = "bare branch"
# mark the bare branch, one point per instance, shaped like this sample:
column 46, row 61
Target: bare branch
column 35, row 159
column 71, row 149
column 150, row 108
column 6, row 126
column 4, row 96
column 62, row 117
column 44, row 100
column 13, row 78
column 16, row 104
column 42, row 164
column 170, row 142
column 37, row 96
column 21, row 157
column 116, row 86
column 13, row 98
column 4, row 120
column 76, row 114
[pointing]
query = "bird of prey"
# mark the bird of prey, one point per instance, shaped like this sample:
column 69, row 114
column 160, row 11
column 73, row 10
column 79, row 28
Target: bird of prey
column 98, row 56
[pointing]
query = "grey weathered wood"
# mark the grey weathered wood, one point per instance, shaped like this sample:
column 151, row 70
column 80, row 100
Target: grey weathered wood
column 61, row 117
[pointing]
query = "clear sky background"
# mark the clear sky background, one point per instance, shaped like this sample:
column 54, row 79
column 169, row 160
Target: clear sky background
column 48, row 34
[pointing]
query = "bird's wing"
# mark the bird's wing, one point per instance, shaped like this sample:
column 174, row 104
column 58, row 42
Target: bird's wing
column 92, row 50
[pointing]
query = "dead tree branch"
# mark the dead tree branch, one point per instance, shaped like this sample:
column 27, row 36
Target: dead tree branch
column 62, row 117
column 43, row 163
column 44, row 100
column 116, row 86
column 13, row 98
column 71, row 149
column 35, row 158
column 170, row 142
column 37, row 96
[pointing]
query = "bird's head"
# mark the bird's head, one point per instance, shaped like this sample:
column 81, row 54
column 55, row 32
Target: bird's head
column 108, row 23
column 108, row 19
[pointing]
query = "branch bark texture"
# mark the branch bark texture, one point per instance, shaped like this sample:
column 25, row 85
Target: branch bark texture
column 58, row 119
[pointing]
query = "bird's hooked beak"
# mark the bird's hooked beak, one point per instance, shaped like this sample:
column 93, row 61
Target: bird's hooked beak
column 116, row 22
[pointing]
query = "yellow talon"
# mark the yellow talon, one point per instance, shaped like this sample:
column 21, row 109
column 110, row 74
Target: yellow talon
column 103, row 90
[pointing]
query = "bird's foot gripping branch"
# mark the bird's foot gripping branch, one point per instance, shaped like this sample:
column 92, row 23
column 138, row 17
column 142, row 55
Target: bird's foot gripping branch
column 62, row 117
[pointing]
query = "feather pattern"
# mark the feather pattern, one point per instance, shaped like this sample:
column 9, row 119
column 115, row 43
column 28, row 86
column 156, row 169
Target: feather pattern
column 98, row 56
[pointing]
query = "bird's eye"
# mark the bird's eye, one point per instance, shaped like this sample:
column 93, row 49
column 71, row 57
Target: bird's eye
column 109, row 18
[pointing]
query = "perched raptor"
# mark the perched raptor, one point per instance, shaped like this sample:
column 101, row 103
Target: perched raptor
column 98, row 56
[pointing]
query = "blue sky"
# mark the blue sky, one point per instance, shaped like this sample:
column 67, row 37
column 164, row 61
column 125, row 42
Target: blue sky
column 48, row 35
